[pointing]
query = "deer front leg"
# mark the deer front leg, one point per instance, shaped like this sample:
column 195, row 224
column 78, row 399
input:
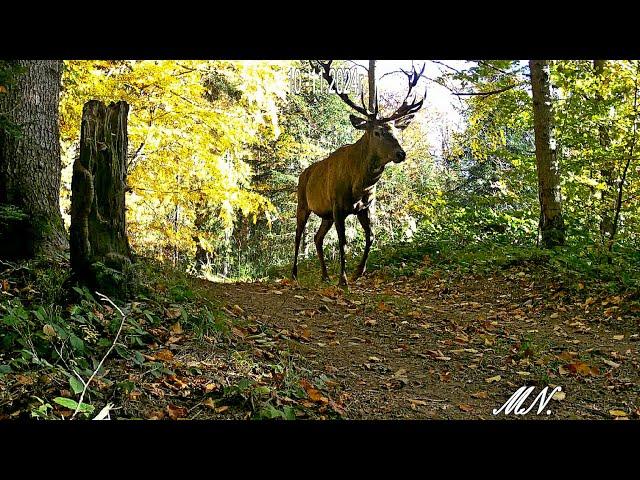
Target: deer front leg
column 365, row 220
column 342, row 240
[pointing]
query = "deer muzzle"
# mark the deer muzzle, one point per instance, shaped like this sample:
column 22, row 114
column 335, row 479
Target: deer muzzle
column 400, row 156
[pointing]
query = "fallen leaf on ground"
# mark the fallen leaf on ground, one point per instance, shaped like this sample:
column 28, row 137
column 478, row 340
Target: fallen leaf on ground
column 166, row 355
column 314, row 394
column 465, row 408
column 209, row 403
column 497, row 378
column 156, row 415
column 618, row 413
column 480, row 395
column 582, row 368
column 176, row 412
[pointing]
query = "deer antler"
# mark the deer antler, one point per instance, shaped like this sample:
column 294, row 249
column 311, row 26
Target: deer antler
column 325, row 69
column 407, row 108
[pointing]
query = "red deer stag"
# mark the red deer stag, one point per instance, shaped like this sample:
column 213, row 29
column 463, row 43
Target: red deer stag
column 344, row 183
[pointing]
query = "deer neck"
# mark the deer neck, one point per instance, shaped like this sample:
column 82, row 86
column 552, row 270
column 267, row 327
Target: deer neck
column 371, row 166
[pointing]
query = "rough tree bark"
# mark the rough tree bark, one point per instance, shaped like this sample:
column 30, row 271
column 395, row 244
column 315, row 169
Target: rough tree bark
column 30, row 165
column 551, row 222
column 100, row 253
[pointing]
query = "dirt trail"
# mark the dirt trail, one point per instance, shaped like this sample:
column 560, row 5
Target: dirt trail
column 453, row 348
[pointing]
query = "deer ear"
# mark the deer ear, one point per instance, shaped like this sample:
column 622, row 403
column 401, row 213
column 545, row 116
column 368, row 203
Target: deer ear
column 357, row 122
column 403, row 122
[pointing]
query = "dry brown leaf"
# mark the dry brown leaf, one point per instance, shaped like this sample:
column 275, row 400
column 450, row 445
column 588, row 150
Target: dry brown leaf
column 497, row 378
column 383, row 307
column 165, row 355
column 176, row 328
column 49, row 331
column 618, row 337
column 25, row 380
column 176, row 412
column 173, row 313
column 582, row 368
column 480, row 395
column 314, row 394
column 465, row 408
column 209, row 403
column 156, row 415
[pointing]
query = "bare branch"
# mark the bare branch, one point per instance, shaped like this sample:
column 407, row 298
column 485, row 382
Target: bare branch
column 492, row 92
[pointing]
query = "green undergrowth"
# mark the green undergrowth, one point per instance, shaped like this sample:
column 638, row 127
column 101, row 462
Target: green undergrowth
column 53, row 336
column 576, row 264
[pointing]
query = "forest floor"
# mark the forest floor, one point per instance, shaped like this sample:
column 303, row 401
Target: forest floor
column 453, row 348
column 439, row 346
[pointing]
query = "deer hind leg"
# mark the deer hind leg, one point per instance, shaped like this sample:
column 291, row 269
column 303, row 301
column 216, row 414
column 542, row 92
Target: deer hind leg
column 318, row 239
column 365, row 221
column 302, row 215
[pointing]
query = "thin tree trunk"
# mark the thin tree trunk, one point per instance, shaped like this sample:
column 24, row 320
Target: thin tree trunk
column 607, row 168
column 372, row 85
column 632, row 145
column 30, row 165
column 551, row 222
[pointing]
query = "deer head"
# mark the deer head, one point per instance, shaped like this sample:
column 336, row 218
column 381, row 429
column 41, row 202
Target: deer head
column 380, row 132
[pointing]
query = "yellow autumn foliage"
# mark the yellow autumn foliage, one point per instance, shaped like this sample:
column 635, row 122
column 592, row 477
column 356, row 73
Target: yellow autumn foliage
column 190, row 123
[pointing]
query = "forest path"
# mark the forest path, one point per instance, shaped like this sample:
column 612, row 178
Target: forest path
column 449, row 347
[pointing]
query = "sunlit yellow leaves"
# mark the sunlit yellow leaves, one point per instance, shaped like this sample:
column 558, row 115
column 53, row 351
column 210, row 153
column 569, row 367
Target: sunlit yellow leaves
column 187, row 147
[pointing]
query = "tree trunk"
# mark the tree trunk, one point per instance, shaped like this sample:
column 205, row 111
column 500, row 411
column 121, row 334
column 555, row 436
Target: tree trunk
column 372, row 85
column 606, row 170
column 30, row 165
column 551, row 222
column 100, row 253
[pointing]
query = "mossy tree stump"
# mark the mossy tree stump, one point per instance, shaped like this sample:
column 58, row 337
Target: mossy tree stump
column 100, row 252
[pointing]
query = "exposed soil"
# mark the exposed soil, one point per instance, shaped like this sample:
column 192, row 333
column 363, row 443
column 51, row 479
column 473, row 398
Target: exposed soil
column 454, row 348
